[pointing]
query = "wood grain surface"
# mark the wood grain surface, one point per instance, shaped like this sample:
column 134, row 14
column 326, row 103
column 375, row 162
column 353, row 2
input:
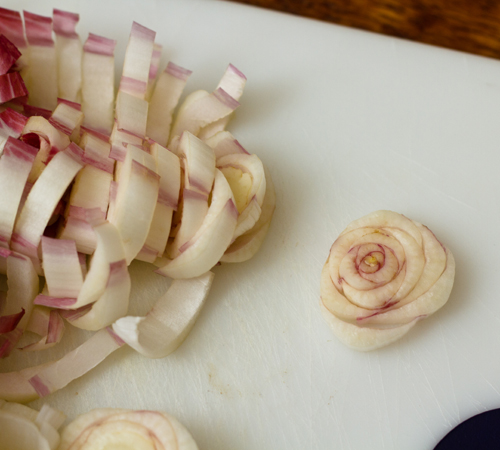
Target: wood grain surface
column 471, row 26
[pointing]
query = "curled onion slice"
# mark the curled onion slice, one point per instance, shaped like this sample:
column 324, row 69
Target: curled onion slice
column 245, row 174
column 168, row 167
column 106, row 275
column 23, row 285
column 50, row 140
column 233, row 82
column 248, row 244
column 136, row 200
column 201, row 109
column 39, row 381
column 125, row 429
column 206, row 247
column 15, row 166
column 384, row 273
column 166, row 326
column 224, row 144
column 48, row 324
column 42, row 200
column 24, row 428
column 199, row 172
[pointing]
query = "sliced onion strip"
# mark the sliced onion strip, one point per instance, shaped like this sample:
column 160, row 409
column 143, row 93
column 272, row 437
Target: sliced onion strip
column 136, row 200
column 15, row 167
column 169, row 171
column 164, row 99
column 69, row 55
column 42, row 200
column 200, row 109
column 166, row 326
column 39, row 381
column 98, row 75
column 210, row 242
column 42, row 63
column 61, row 266
column 233, row 82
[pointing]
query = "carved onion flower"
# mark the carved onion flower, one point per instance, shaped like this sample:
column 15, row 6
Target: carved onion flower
column 384, row 273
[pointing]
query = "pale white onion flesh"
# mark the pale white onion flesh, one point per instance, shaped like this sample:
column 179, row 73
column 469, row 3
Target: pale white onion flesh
column 61, row 266
column 109, row 428
column 98, row 80
column 153, row 70
column 233, row 82
column 68, row 118
column 245, row 174
column 15, row 166
column 198, row 161
column 69, row 55
column 169, row 171
column 42, row 60
column 109, row 254
column 206, row 247
column 224, row 143
column 52, row 138
column 48, row 324
column 201, row 109
column 42, row 200
column 164, row 99
column 28, row 384
column 384, row 273
column 23, row 286
column 136, row 199
column 248, row 244
column 23, row 428
column 165, row 327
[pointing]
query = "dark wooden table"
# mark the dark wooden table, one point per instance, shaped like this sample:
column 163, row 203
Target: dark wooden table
column 471, row 26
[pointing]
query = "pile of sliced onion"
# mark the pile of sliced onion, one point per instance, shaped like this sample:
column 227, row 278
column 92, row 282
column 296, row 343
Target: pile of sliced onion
column 384, row 273
column 92, row 180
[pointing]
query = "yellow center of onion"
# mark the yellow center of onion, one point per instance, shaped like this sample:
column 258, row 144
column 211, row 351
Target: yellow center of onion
column 371, row 260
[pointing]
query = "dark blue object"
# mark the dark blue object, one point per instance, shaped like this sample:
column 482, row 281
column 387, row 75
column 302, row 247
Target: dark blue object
column 481, row 432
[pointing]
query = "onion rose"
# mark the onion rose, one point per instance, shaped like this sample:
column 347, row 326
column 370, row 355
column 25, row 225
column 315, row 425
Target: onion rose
column 110, row 428
column 384, row 273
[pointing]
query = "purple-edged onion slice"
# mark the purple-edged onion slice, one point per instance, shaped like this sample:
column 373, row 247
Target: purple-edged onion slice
column 206, row 247
column 42, row 61
column 69, row 55
column 24, row 428
column 247, row 245
column 164, row 99
column 39, row 381
column 98, row 80
column 166, row 326
column 126, row 429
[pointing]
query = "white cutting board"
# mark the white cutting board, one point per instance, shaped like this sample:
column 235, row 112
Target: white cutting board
column 348, row 122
